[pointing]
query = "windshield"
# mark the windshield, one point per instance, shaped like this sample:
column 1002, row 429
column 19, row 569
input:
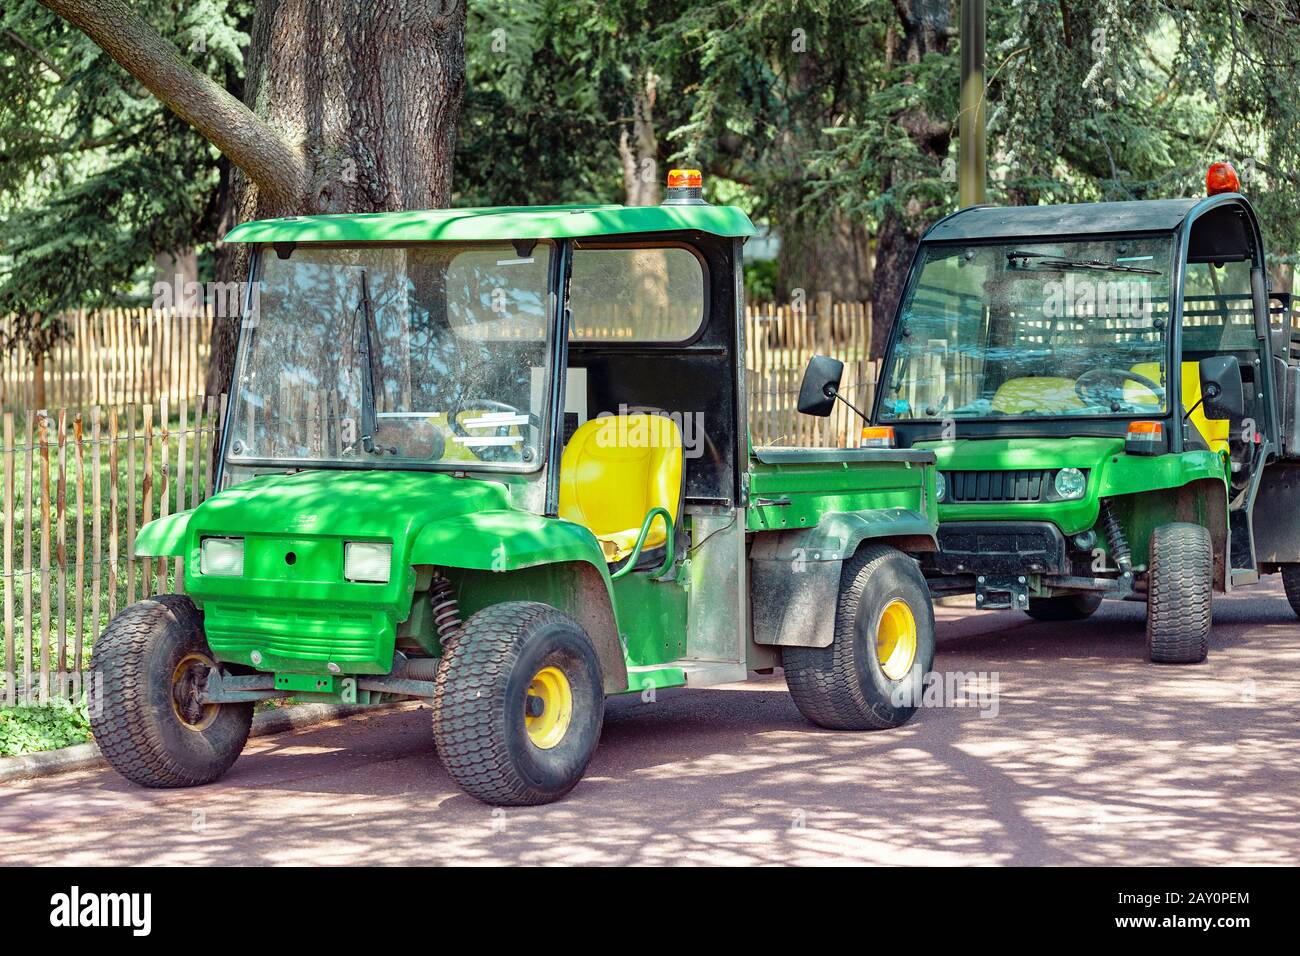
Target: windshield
column 430, row 355
column 1029, row 329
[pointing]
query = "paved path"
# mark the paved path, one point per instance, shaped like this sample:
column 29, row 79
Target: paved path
column 1093, row 757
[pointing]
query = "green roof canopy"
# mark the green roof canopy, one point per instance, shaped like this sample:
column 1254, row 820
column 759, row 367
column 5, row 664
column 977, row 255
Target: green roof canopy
column 496, row 223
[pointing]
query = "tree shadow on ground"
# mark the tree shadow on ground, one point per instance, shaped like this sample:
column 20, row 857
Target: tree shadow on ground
column 1093, row 756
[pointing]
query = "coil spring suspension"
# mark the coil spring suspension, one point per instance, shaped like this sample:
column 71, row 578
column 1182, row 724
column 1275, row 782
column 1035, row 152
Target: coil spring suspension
column 446, row 611
column 1115, row 538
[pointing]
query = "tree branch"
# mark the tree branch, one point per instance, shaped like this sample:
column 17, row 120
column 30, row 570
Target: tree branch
column 19, row 41
column 278, row 170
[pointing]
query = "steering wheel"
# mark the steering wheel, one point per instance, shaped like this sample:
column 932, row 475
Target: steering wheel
column 1094, row 394
column 487, row 452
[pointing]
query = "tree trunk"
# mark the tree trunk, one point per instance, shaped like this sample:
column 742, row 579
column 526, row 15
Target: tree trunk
column 639, row 147
column 923, row 30
column 351, row 107
column 832, row 257
column 176, row 270
column 372, row 92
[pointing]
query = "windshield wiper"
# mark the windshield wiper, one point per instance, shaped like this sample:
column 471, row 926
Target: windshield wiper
column 368, row 425
column 1092, row 264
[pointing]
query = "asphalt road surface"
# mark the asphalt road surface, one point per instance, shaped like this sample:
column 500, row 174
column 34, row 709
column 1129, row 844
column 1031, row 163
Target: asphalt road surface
column 1086, row 755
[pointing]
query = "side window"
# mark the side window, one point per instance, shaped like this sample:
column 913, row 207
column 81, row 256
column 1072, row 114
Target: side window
column 636, row 294
column 1217, row 312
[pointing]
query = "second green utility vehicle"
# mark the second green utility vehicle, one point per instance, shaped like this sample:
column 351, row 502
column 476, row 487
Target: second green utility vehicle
column 1111, row 392
column 497, row 459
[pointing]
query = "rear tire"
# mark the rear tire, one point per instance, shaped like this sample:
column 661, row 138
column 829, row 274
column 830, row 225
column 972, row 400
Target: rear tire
column 507, row 658
column 1291, row 584
column 1066, row 607
column 149, row 731
column 847, row 686
column 1180, row 587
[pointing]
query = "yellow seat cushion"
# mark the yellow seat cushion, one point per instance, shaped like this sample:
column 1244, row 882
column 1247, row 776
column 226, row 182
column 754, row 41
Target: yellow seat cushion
column 1035, row 393
column 614, row 470
column 1213, row 430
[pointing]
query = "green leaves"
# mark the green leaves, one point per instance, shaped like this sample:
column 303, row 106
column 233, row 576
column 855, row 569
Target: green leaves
column 30, row 729
column 96, row 176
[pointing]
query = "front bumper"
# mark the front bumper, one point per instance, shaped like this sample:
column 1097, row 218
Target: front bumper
column 1005, row 563
column 300, row 638
column 1001, row 547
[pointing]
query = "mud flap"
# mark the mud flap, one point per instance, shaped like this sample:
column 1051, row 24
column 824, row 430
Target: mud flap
column 794, row 602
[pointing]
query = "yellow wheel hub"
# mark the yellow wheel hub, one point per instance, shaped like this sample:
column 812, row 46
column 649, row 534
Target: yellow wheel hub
column 548, row 708
column 190, row 711
column 896, row 639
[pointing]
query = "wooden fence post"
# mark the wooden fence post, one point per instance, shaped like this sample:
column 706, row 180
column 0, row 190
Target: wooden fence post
column 43, row 425
column 11, row 665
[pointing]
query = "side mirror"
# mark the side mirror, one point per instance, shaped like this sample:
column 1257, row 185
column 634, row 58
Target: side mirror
column 821, row 382
column 1221, row 387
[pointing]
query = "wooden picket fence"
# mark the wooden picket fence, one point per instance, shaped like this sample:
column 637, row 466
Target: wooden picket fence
column 779, row 341
column 77, row 485
column 118, row 356
column 110, row 357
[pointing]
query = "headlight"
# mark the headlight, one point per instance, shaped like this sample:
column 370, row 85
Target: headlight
column 940, row 486
column 365, row 561
column 1069, row 484
column 223, row 556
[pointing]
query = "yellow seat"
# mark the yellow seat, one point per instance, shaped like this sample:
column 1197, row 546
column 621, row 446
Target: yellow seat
column 1034, row 393
column 614, row 470
column 1213, row 430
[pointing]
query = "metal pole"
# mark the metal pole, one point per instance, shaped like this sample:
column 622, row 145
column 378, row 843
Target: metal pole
column 972, row 159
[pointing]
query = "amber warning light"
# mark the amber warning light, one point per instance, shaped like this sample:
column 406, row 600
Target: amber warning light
column 879, row 436
column 685, row 188
column 1221, row 178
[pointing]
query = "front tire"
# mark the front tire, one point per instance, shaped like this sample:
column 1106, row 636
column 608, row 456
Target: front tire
column 1180, row 586
column 518, row 705
column 1291, row 584
column 147, row 719
column 871, row 675
column 1066, row 607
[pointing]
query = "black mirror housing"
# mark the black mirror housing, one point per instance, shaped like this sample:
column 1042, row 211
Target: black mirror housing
column 821, row 382
column 1221, row 388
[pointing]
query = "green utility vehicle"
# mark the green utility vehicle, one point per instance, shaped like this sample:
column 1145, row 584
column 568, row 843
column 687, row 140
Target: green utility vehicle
column 1110, row 390
column 497, row 459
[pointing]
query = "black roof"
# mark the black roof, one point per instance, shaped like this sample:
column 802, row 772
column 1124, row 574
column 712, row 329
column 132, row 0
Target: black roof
column 1008, row 222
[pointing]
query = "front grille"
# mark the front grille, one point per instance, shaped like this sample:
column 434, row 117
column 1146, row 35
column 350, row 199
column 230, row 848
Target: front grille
column 971, row 486
column 285, row 635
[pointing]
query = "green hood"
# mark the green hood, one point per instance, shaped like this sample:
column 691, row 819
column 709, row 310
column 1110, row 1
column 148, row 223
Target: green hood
column 1008, row 454
column 360, row 504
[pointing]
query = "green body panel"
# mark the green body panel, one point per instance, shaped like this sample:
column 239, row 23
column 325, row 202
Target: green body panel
column 574, row 587
column 655, row 677
column 163, row 537
column 1203, row 502
column 1111, row 473
column 496, row 223
column 839, row 533
column 301, row 616
column 651, row 618
column 505, row 540
column 845, row 501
